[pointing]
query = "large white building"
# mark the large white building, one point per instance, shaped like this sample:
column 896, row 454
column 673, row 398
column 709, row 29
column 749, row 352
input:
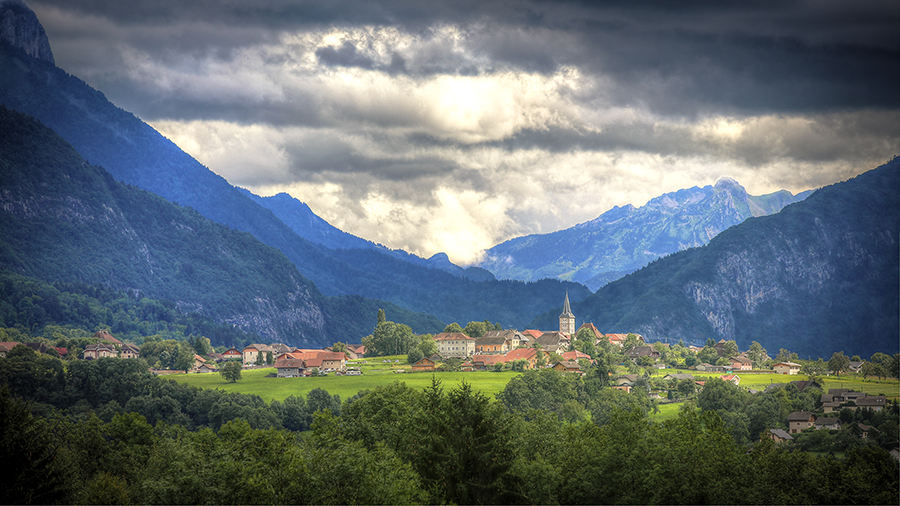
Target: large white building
column 455, row 344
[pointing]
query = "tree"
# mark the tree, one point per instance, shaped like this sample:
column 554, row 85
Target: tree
column 757, row 354
column 786, row 356
column 414, row 355
column 452, row 328
column 269, row 358
column 731, row 348
column 231, row 371
column 838, row 362
column 381, row 317
column 339, row 347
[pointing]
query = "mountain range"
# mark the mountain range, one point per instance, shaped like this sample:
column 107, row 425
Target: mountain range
column 624, row 239
column 818, row 277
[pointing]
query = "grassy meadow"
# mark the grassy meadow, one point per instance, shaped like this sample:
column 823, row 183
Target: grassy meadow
column 375, row 373
column 384, row 370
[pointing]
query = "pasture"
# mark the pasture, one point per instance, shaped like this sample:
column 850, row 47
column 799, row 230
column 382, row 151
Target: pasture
column 375, row 373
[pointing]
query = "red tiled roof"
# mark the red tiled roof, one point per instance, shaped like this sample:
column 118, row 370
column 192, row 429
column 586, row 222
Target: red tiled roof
column 106, row 336
column 520, row 353
column 575, row 355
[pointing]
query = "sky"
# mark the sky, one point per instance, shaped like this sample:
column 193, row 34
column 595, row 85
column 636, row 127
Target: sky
column 453, row 126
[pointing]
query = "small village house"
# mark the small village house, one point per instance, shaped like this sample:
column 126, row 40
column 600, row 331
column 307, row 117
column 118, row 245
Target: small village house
column 455, row 344
column 799, row 421
column 786, row 368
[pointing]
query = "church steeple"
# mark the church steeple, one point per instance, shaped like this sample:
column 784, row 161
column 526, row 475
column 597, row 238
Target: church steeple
column 567, row 319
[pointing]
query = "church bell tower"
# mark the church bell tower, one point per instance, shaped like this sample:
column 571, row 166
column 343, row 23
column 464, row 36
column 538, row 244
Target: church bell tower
column 567, row 319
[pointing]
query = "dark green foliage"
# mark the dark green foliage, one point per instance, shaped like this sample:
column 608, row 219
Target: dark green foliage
column 231, row 371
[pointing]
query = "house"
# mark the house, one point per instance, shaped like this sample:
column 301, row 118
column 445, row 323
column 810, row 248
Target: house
column 63, row 352
column 552, row 342
column 514, row 337
column 642, row 351
column 423, row 364
column 198, row 362
column 6, row 347
column 567, row 366
column 206, row 368
column 489, row 345
column 875, row 403
column 593, row 329
column 289, row 367
column 799, row 421
column 618, row 339
column 251, row 354
column 467, row 366
column 786, row 368
column 856, row 366
column 780, row 436
column 731, row 378
column 527, row 354
column 99, row 350
column 38, row 347
column 455, row 344
column 576, row 355
column 231, row 353
column 530, row 336
column 332, row 360
column 828, row 423
column 671, row 378
column 104, row 335
column 741, row 363
column 720, row 347
column 483, row 362
column 130, row 351
column 354, row 351
column 709, row 367
column 803, row 385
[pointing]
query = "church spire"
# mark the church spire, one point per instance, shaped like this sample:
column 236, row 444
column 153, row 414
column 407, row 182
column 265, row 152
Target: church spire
column 567, row 318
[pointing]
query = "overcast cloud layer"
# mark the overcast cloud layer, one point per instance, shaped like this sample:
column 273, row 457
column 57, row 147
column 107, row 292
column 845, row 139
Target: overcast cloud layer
column 452, row 126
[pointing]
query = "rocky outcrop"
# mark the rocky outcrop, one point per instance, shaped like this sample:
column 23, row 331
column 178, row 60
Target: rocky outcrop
column 19, row 26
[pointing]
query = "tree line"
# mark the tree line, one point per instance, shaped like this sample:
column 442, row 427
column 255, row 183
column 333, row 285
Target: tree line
column 105, row 431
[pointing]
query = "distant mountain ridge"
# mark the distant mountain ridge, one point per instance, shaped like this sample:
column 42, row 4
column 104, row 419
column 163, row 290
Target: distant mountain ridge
column 626, row 238
column 820, row 276
column 301, row 219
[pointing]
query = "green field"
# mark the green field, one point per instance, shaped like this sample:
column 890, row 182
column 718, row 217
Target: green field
column 375, row 373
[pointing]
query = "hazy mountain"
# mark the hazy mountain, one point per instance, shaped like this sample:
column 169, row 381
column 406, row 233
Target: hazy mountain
column 302, row 220
column 627, row 238
column 133, row 152
column 818, row 277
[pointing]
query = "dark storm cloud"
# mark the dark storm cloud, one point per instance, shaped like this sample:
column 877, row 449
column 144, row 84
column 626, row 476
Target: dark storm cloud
column 345, row 56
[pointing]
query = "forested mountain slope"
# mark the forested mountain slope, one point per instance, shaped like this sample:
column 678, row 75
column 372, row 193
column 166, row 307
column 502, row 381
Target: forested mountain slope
column 64, row 220
column 627, row 238
column 135, row 153
column 818, row 277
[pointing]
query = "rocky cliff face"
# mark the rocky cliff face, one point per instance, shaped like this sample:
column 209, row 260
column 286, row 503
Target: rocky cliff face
column 19, row 26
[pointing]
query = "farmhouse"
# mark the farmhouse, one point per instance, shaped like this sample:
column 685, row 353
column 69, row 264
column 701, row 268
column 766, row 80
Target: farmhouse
column 423, row 364
column 251, row 354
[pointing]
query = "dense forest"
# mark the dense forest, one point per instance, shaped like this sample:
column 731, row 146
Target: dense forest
column 109, row 432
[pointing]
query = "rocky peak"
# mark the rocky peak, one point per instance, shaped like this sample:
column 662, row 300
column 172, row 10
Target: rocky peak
column 19, row 26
